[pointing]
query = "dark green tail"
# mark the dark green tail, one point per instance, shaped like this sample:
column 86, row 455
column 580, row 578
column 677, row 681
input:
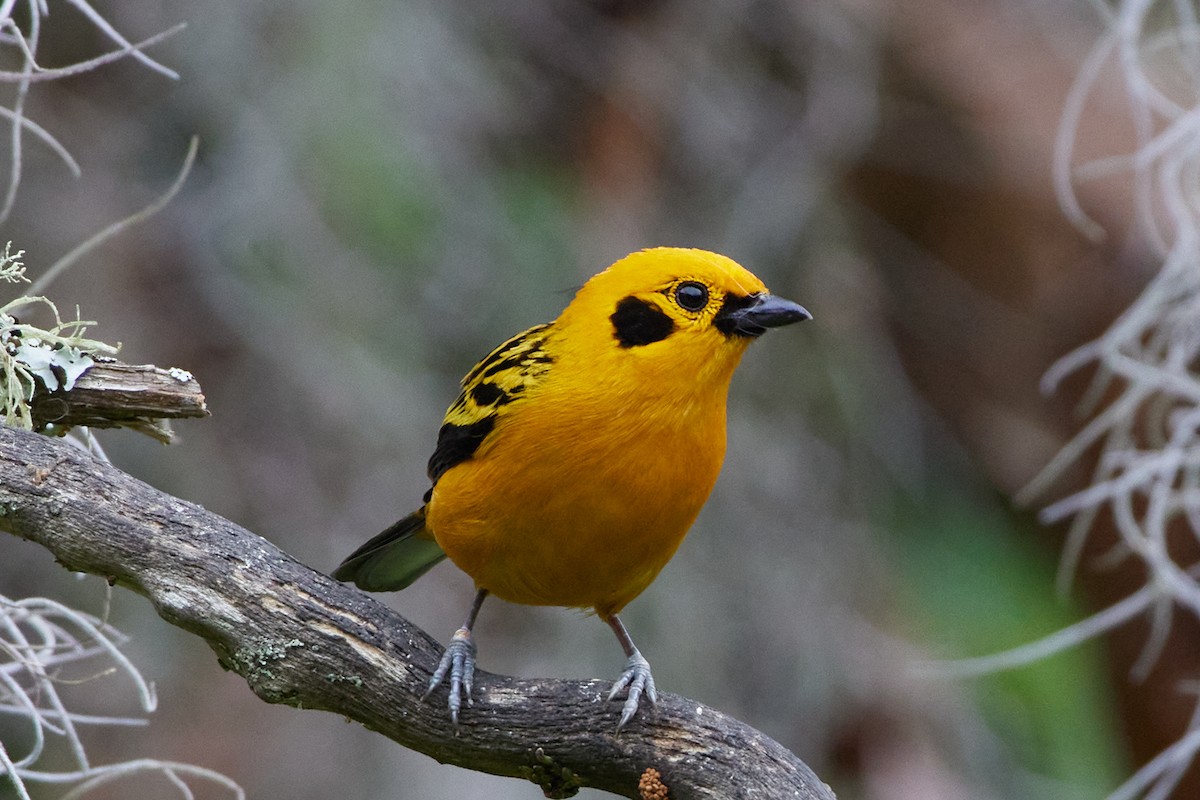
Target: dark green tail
column 394, row 558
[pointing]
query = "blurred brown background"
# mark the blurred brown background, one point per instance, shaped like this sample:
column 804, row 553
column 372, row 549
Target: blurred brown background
column 386, row 190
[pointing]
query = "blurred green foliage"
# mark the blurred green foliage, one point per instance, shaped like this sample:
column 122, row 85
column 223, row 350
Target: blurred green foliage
column 978, row 581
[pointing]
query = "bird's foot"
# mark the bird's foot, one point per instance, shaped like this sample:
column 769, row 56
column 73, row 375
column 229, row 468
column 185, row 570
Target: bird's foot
column 459, row 662
column 638, row 681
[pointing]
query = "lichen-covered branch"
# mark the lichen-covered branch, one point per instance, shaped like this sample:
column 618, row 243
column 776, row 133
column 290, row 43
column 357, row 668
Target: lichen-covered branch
column 300, row 638
column 111, row 394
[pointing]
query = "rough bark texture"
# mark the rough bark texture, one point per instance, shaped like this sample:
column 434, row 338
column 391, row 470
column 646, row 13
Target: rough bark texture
column 116, row 395
column 300, row 638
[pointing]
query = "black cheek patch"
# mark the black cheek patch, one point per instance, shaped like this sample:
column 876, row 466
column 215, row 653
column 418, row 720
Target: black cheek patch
column 457, row 443
column 637, row 323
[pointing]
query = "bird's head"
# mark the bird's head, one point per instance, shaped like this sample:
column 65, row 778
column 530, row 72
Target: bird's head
column 676, row 305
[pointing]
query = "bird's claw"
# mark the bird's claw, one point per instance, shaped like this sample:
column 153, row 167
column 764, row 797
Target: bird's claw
column 638, row 681
column 459, row 661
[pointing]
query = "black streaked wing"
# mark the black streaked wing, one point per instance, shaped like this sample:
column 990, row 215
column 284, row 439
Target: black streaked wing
column 490, row 390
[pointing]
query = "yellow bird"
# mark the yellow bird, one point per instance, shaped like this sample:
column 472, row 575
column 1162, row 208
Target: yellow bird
column 580, row 451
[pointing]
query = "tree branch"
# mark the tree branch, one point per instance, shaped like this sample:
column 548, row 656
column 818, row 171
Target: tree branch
column 300, row 638
column 111, row 394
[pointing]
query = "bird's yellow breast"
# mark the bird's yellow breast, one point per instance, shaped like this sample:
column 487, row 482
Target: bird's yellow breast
column 581, row 496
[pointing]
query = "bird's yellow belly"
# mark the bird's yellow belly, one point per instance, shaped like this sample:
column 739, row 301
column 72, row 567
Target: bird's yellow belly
column 589, row 530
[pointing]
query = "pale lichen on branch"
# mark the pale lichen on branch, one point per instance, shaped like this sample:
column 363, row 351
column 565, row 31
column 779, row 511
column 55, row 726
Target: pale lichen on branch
column 34, row 358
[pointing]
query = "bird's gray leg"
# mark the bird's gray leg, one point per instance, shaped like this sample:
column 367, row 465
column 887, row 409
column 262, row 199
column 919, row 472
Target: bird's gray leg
column 636, row 678
column 459, row 661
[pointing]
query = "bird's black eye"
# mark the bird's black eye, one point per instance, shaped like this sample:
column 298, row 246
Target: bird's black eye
column 691, row 296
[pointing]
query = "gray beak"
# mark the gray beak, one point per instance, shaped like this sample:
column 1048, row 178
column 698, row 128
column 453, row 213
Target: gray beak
column 751, row 316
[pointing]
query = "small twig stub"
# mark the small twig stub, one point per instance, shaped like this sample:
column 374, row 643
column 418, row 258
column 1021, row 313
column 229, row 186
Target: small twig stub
column 111, row 394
